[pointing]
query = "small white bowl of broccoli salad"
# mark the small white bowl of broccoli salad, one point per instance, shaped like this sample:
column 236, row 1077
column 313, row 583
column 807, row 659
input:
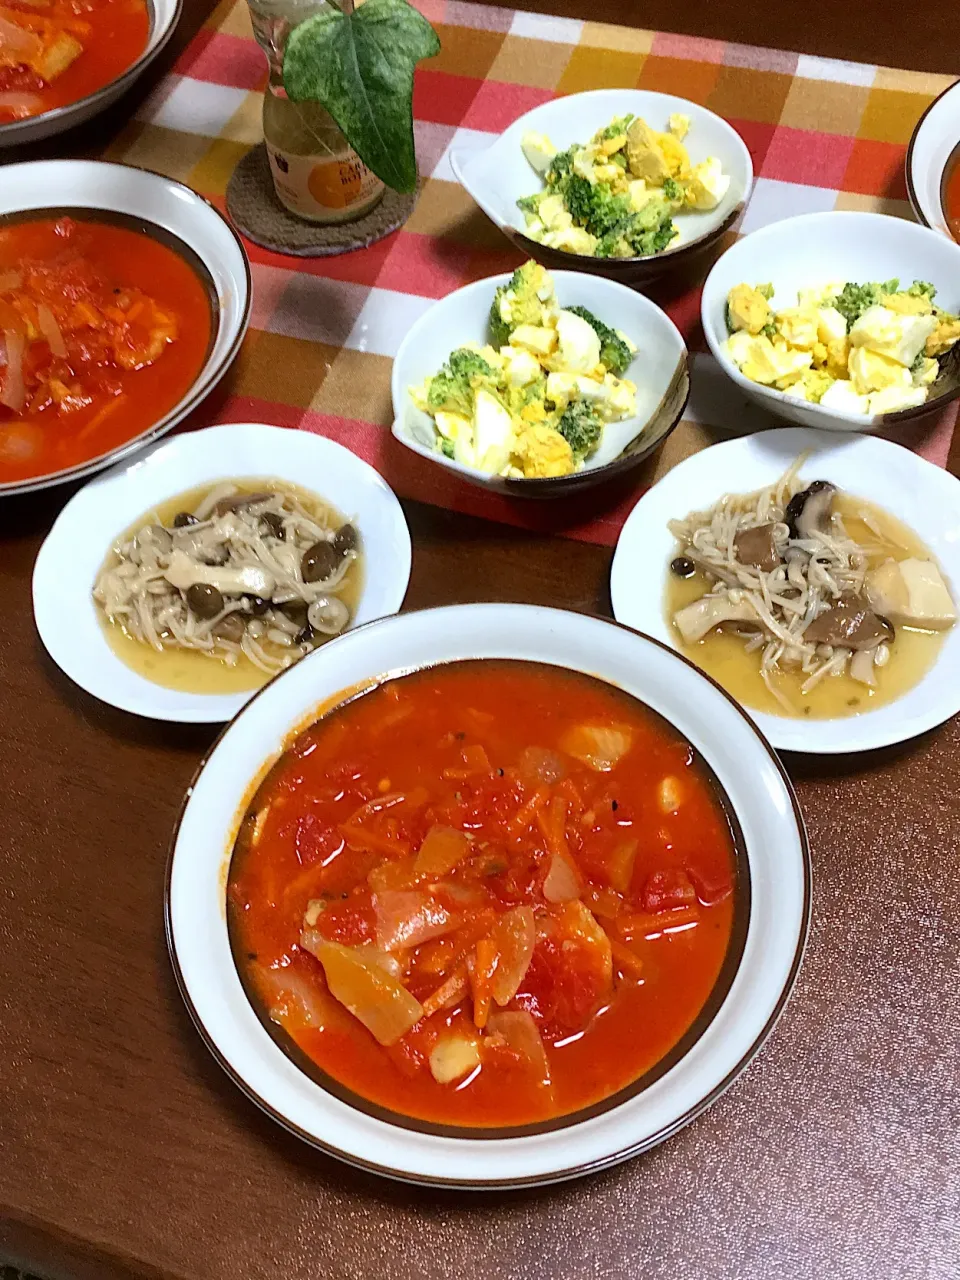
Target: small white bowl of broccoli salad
column 539, row 383
column 620, row 182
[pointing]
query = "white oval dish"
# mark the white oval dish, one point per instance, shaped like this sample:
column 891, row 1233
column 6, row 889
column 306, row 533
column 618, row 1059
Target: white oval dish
column 152, row 200
column 924, row 497
column 78, row 543
column 497, row 175
column 932, row 147
column 164, row 16
column 815, row 249
column 745, row 767
column 659, row 369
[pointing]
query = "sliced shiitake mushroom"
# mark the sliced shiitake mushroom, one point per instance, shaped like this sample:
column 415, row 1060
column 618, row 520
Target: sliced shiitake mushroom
column 808, row 512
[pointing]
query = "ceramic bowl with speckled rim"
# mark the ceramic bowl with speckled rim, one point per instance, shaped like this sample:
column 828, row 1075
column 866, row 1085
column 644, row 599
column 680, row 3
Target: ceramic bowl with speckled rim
column 497, row 174
column 164, row 16
column 932, row 155
column 659, row 369
column 773, row 899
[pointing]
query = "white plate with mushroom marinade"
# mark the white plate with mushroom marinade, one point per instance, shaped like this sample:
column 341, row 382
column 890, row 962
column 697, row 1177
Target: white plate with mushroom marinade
column 815, row 576
column 212, row 563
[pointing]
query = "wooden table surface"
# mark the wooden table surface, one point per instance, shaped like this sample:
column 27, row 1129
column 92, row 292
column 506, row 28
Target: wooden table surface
column 125, row 1152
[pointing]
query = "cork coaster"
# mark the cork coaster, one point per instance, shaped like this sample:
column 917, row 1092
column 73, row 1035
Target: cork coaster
column 253, row 205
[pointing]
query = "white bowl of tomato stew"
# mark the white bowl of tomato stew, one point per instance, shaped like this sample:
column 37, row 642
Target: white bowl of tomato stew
column 64, row 67
column 119, row 312
column 166, row 671
column 490, row 895
column 932, row 170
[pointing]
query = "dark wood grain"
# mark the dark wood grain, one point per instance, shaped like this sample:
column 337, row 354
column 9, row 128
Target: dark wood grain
column 125, row 1152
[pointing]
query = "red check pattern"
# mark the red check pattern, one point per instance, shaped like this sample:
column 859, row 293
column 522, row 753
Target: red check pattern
column 823, row 134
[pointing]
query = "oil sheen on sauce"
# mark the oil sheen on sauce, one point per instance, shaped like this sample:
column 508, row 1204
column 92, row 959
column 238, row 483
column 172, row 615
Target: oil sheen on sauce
column 722, row 654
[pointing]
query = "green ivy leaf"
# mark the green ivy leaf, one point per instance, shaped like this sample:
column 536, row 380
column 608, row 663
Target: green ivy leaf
column 360, row 67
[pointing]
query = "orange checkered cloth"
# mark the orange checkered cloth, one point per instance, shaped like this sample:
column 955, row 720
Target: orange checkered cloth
column 824, row 134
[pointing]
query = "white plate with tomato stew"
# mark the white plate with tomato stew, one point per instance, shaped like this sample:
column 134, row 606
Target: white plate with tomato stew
column 488, row 896
column 64, row 62
column 124, row 297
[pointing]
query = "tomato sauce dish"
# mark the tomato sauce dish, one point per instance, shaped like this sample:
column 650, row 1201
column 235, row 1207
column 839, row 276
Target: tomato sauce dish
column 489, row 895
column 62, row 62
column 117, row 314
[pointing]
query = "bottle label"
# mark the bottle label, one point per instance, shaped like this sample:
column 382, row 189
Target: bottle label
column 318, row 185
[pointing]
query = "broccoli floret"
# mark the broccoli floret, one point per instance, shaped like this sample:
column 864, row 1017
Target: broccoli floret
column 453, row 389
column 769, row 330
column 922, row 289
column 581, row 428
column 765, row 290
column 672, row 190
column 530, row 204
column 447, row 447
column 613, row 130
column 619, row 159
column 853, row 299
column 654, row 240
column 518, row 302
column 614, row 352
column 594, row 206
column 560, row 166
column 499, row 328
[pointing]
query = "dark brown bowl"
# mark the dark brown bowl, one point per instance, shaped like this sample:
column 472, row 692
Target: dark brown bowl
column 635, row 272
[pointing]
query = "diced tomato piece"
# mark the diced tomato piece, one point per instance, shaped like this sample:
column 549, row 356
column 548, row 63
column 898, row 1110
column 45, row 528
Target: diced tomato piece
column 667, row 889
column 350, row 921
column 316, row 840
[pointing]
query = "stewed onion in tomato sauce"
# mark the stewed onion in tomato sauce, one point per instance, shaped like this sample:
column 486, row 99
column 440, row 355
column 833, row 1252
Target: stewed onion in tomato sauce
column 103, row 329
column 55, row 52
column 486, row 894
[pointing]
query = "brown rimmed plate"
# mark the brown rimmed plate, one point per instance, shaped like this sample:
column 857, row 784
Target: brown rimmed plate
column 164, row 16
column 753, row 990
column 169, row 212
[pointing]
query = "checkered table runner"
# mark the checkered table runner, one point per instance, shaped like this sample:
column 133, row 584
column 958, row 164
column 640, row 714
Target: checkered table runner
column 824, row 134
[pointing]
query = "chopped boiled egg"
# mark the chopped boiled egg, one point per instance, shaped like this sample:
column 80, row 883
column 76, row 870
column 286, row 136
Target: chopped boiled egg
column 553, row 213
column 831, row 325
column 543, row 452
column 579, row 344
column 762, row 361
column 926, row 372
column 798, row 326
column 538, row 149
column 520, row 366
column 679, row 125
column 841, row 397
column 541, row 341
column 870, row 371
column 901, row 338
column 747, row 309
column 493, row 433
column 459, row 431
column 572, row 239
column 707, row 185
column 893, row 399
